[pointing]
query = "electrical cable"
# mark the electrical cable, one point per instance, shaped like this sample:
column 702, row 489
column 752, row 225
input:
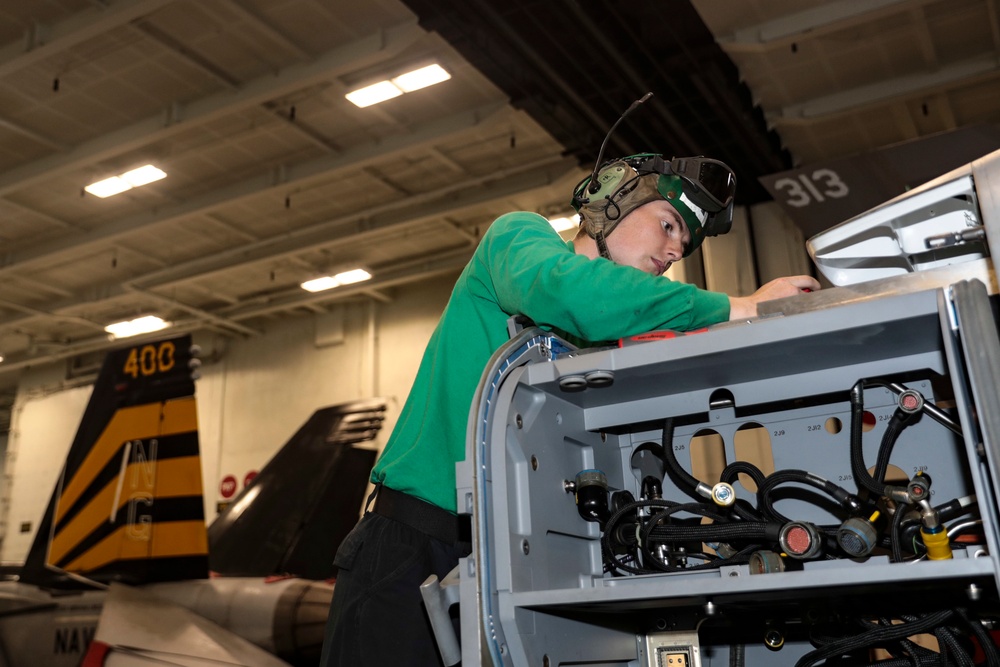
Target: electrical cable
column 985, row 640
column 917, row 653
column 858, row 468
column 678, row 475
column 730, row 474
column 895, row 536
column 738, row 531
column 949, row 641
column 654, row 534
column 764, row 502
column 607, row 553
column 737, row 655
column 654, row 521
column 874, row 637
column 897, row 424
column 594, row 184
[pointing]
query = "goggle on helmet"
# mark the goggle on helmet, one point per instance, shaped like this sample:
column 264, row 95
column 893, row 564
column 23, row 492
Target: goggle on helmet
column 700, row 189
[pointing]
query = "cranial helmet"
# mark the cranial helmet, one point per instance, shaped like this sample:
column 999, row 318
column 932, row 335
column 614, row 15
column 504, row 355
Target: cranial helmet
column 700, row 189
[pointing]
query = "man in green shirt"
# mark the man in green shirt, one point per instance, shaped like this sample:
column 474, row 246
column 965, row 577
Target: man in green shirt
column 638, row 216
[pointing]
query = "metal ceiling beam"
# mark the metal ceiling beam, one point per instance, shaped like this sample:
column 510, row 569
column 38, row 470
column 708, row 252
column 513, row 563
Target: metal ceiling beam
column 46, row 41
column 372, row 49
column 538, row 62
column 39, row 285
column 305, row 131
column 58, row 222
column 300, row 175
column 392, row 217
column 810, row 23
column 171, row 44
column 924, row 37
column 595, row 26
column 888, row 90
column 577, row 93
column 35, row 312
column 443, row 263
column 197, row 312
column 259, row 23
column 378, row 295
column 456, row 228
column 447, row 261
column 31, row 134
column 991, row 9
column 386, row 219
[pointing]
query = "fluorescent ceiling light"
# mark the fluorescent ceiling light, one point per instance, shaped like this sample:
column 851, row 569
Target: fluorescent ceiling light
column 143, row 175
column 373, row 94
column 352, row 276
column 122, row 182
column 320, row 284
column 139, row 325
column 108, row 187
column 404, row 83
column 421, row 78
column 564, row 224
column 342, row 278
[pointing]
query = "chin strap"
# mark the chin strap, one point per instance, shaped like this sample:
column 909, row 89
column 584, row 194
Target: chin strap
column 602, row 247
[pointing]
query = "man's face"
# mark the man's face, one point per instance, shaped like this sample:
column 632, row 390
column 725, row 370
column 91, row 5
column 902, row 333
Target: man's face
column 650, row 238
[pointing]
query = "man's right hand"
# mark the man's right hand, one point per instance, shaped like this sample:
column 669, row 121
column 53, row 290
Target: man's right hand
column 745, row 307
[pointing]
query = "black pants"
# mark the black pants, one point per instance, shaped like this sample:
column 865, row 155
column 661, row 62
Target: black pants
column 377, row 618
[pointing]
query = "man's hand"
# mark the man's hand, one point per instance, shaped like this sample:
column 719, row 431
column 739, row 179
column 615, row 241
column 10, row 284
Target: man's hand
column 743, row 307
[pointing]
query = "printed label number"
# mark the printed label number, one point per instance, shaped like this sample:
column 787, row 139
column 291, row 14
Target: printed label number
column 808, row 188
column 150, row 359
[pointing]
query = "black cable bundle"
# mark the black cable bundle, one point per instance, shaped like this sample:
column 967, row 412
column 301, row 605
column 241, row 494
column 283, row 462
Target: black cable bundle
column 658, row 531
column 643, row 537
column 953, row 640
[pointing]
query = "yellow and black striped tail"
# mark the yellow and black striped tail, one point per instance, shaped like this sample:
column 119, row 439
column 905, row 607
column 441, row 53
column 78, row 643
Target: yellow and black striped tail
column 128, row 505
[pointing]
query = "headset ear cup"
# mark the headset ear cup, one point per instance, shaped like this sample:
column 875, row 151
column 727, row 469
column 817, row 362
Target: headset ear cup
column 581, row 196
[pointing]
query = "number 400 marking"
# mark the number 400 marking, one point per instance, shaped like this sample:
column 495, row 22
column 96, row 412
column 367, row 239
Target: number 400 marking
column 150, row 359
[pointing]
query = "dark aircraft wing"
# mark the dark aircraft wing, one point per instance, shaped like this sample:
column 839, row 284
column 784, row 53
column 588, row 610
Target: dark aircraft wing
column 296, row 511
column 128, row 505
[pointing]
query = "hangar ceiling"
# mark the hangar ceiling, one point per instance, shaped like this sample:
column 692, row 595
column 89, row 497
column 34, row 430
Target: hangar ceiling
column 274, row 177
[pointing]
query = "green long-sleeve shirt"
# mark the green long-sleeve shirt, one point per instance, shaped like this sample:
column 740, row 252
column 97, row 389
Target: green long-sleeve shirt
column 521, row 266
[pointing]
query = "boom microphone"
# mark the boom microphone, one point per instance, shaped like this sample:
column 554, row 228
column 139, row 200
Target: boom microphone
column 594, row 185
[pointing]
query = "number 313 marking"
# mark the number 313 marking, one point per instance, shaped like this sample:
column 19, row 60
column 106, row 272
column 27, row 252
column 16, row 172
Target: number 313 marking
column 806, row 189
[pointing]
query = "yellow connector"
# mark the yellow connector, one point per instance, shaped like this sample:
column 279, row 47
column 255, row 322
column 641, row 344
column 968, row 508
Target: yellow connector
column 936, row 542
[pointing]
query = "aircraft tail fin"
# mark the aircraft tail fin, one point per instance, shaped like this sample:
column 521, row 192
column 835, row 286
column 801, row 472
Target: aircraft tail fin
column 300, row 506
column 128, row 504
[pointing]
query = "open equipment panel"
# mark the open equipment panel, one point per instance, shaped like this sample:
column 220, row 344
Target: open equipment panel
column 816, row 486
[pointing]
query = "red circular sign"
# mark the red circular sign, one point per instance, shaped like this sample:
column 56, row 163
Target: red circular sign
column 228, row 486
column 249, row 478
